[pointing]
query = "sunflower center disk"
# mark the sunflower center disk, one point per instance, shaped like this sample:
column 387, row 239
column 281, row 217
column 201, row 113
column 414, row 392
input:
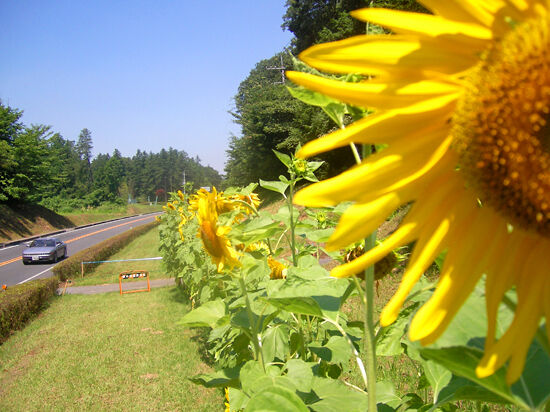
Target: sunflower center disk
column 502, row 127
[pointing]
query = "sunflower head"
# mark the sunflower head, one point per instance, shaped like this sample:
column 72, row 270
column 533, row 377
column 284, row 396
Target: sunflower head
column 461, row 100
column 213, row 236
column 278, row 269
column 382, row 268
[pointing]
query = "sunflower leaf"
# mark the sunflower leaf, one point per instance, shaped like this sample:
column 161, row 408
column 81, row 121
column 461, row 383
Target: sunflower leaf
column 277, row 399
column 462, row 361
column 274, row 186
column 205, row 315
column 285, row 159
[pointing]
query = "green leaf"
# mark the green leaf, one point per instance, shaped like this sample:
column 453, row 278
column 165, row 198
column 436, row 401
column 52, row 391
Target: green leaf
column 336, row 350
column 313, row 165
column 275, row 343
column 285, row 159
column 386, row 395
column 334, row 109
column 276, row 399
column 300, row 373
column 310, row 176
column 254, row 378
column 320, row 235
column 275, row 186
column 305, row 295
column 534, row 385
column 462, row 361
column 332, row 395
column 206, row 315
column 438, row 376
column 388, row 340
column 237, row 399
column 299, row 305
column 219, row 379
column 462, row 389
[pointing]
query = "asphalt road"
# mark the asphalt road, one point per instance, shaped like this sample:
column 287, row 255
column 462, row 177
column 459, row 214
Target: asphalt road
column 13, row 272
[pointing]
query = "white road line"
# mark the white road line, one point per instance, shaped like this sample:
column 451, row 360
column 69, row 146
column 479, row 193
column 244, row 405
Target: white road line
column 9, row 247
column 38, row 274
column 69, row 232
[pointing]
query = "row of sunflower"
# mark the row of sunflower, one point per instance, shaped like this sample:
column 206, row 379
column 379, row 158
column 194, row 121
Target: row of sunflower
column 456, row 105
column 274, row 327
column 278, row 330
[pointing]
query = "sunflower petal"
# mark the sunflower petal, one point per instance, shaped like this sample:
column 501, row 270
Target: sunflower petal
column 403, row 235
column 389, row 127
column 468, row 11
column 395, row 54
column 515, row 343
column 431, row 215
column 461, row 271
column 362, row 219
column 501, row 278
column 381, row 173
column 375, row 95
column 428, row 25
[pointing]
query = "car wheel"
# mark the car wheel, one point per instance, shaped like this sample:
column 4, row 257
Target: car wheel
column 55, row 257
column 65, row 253
column 25, row 262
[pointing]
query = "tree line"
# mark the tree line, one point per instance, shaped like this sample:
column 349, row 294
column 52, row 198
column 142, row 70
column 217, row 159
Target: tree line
column 269, row 117
column 38, row 165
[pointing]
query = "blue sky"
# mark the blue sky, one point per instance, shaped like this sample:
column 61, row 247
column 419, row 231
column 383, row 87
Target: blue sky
column 138, row 74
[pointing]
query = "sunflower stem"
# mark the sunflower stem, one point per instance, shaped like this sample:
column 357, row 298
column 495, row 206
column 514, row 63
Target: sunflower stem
column 370, row 347
column 355, row 153
column 291, row 212
column 370, row 340
column 258, row 355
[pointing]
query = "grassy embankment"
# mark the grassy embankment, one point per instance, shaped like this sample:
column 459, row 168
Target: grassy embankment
column 22, row 221
column 107, row 352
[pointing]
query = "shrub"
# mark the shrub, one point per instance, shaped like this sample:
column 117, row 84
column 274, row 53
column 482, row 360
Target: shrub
column 19, row 303
column 71, row 266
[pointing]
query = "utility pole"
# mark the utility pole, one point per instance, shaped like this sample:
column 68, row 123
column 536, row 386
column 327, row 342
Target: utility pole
column 282, row 69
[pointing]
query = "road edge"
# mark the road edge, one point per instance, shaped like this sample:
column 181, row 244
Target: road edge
column 26, row 239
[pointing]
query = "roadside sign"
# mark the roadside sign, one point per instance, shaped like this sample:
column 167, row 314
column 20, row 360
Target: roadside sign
column 134, row 274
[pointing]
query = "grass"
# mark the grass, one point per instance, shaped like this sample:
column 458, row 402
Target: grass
column 143, row 247
column 92, row 215
column 106, row 352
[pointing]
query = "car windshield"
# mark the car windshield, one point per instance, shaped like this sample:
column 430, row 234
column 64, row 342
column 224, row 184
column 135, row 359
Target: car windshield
column 43, row 243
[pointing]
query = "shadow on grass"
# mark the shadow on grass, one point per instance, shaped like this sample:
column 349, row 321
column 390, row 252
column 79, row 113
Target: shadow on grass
column 179, row 296
column 197, row 335
column 17, row 221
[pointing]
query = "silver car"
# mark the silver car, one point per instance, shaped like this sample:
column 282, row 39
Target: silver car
column 44, row 250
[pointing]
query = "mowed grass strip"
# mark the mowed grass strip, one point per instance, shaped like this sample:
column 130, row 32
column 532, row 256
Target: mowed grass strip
column 145, row 246
column 106, row 352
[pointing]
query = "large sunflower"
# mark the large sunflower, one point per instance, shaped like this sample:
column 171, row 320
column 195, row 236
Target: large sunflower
column 462, row 99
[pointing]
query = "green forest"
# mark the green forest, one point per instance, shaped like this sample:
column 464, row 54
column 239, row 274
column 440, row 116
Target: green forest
column 38, row 165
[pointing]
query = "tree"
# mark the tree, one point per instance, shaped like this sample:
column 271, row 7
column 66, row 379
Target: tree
column 319, row 21
column 10, row 124
column 270, row 118
column 84, row 149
